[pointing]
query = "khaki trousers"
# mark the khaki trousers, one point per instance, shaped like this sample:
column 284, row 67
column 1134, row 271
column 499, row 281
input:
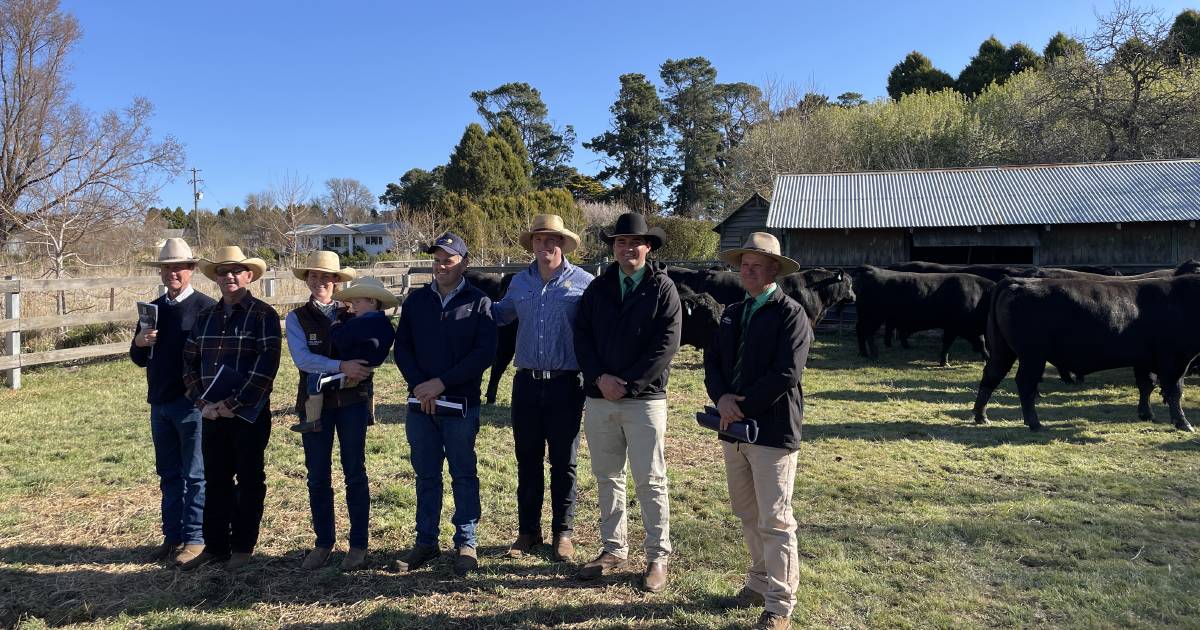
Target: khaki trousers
column 636, row 427
column 761, row 480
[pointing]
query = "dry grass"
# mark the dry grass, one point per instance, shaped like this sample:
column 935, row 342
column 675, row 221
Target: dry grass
column 909, row 516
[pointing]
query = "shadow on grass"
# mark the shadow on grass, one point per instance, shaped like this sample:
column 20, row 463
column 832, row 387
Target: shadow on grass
column 965, row 433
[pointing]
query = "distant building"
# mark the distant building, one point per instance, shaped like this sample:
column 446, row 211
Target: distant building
column 749, row 217
column 346, row 238
column 1138, row 213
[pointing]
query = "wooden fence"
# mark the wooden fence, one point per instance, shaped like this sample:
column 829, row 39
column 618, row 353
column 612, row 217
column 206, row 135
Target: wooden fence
column 398, row 276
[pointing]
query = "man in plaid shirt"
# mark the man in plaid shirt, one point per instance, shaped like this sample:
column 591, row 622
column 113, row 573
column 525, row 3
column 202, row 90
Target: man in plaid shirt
column 239, row 333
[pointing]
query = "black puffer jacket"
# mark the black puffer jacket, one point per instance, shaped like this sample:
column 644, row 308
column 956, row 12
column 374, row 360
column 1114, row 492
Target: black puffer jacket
column 634, row 339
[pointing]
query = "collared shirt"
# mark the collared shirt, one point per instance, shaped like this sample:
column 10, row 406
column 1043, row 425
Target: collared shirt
column 637, row 279
column 546, row 311
column 247, row 341
column 183, row 295
column 757, row 303
column 449, row 296
column 306, row 360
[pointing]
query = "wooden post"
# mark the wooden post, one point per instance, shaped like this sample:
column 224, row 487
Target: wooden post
column 112, row 298
column 12, row 341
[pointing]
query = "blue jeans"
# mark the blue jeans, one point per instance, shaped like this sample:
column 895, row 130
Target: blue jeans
column 350, row 423
column 432, row 439
column 176, row 430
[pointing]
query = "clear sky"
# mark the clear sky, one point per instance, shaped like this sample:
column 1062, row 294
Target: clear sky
column 258, row 89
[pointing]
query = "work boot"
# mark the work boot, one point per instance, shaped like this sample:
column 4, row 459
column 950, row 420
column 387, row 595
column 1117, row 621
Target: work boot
column 602, row 565
column 772, row 621
column 524, row 544
column 188, row 553
column 749, row 598
column 204, row 558
column 654, row 578
column 465, row 561
column 355, row 559
column 315, row 559
column 417, row 557
column 564, row 549
column 237, row 560
column 162, row 552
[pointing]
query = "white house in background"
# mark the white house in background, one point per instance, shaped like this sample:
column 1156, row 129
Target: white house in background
column 345, row 238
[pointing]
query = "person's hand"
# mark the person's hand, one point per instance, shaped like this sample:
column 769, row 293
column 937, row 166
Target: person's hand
column 355, row 369
column 611, row 387
column 427, row 393
column 730, row 411
column 223, row 410
column 146, row 338
column 209, row 412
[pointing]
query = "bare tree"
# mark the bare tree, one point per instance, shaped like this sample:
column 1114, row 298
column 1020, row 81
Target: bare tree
column 66, row 174
column 347, row 200
column 282, row 209
column 414, row 228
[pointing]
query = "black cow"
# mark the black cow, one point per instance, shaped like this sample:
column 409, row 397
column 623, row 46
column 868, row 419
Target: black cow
column 701, row 317
column 495, row 286
column 817, row 290
column 1086, row 326
column 909, row 302
column 995, row 273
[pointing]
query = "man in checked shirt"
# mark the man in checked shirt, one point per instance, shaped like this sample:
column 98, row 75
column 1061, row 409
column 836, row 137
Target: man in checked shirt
column 240, row 333
column 547, row 397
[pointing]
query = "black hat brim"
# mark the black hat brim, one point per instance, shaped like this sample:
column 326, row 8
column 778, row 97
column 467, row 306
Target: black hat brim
column 655, row 235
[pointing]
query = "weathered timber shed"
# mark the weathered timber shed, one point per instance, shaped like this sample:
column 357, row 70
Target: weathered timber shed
column 749, row 217
column 1130, row 214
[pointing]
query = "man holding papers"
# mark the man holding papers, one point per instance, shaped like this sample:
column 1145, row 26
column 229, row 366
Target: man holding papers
column 445, row 339
column 752, row 370
column 239, row 338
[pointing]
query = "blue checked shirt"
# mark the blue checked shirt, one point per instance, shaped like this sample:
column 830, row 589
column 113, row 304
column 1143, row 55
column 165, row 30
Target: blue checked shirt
column 545, row 337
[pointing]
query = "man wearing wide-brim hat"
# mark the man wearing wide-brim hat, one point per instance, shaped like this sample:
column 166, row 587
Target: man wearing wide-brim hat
column 753, row 370
column 547, row 396
column 240, row 333
column 175, row 425
column 626, row 332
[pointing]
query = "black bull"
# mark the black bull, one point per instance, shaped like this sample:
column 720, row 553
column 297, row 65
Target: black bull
column 1084, row 326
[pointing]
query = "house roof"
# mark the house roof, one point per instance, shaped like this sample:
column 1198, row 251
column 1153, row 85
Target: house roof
column 756, row 200
column 1108, row 192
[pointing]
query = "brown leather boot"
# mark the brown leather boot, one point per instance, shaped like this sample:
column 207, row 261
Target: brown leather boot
column 417, row 557
column 603, row 564
column 749, row 598
column 315, row 559
column 564, row 549
column 163, row 552
column 465, row 561
column 524, row 544
column 772, row 621
column 654, row 579
column 355, row 559
column 237, row 560
column 188, row 553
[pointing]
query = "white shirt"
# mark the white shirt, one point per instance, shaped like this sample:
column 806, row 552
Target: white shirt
column 183, row 295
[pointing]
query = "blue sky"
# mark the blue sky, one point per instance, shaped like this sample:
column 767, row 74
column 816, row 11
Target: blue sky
column 368, row 89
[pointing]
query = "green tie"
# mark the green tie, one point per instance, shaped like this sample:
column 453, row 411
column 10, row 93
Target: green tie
column 747, row 307
column 629, row 285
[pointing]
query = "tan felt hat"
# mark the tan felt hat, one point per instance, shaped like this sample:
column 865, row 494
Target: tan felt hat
column 763, row 243
column 231, row 255
column 549, row 224
column 326, row 261
column 367, row 287
column 174, row 250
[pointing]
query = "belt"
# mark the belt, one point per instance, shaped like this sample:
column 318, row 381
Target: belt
column 543, row 375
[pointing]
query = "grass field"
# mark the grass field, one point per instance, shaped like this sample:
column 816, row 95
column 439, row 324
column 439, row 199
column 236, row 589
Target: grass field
column 909, row 515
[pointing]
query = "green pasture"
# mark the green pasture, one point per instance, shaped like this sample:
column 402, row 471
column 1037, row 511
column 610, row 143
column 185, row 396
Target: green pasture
column 910, row 516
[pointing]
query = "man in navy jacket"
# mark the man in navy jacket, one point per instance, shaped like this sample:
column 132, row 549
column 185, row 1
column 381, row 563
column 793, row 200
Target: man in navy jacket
column 445, row 339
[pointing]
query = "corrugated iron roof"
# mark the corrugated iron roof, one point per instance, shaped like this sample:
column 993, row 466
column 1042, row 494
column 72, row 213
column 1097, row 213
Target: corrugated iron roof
column 1106, row 192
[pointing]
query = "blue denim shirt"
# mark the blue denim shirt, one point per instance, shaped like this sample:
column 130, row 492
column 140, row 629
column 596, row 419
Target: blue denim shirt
column 545, row 340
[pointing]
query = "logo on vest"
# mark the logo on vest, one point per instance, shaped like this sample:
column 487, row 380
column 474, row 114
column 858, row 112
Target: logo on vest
column 312, row 339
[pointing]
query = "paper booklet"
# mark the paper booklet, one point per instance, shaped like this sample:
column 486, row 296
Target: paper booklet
column 444, row 406
column 317, row 382
column 227, row 383
column 147, row 319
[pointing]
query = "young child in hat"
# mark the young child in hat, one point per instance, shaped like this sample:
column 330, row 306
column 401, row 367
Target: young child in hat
column 366, row 335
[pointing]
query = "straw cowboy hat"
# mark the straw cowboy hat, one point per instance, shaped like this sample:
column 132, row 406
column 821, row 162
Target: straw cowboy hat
column 174, row 250
column 367, row 287
column 634, row 224
column 761, row 243
column 328, row 262
column 231, row 255
column 549, row 224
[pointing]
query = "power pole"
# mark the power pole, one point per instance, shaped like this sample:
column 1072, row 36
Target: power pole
column 195, row 181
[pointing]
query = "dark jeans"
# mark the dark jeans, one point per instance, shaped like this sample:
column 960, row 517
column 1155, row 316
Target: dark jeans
column 179, row 462
column 351, row 425
column 432, row 439
column 546, row 413
column 233, row 448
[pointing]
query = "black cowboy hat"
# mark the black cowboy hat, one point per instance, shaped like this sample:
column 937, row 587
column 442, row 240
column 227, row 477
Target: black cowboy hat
column 634, row 224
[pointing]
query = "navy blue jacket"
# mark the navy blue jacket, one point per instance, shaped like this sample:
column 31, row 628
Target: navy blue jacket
column 164, row 371
column 456, row 343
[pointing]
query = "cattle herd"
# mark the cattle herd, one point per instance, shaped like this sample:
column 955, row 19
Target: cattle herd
column 1078, row 319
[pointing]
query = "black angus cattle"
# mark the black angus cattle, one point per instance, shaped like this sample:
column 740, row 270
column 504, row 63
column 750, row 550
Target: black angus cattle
column 817, row 290
column 995, row 273
column 701, row 317
column 495, row 285
column 1086, row 326
column 956, row 303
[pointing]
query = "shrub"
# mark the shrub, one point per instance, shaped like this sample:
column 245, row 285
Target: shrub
column 687, row 239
